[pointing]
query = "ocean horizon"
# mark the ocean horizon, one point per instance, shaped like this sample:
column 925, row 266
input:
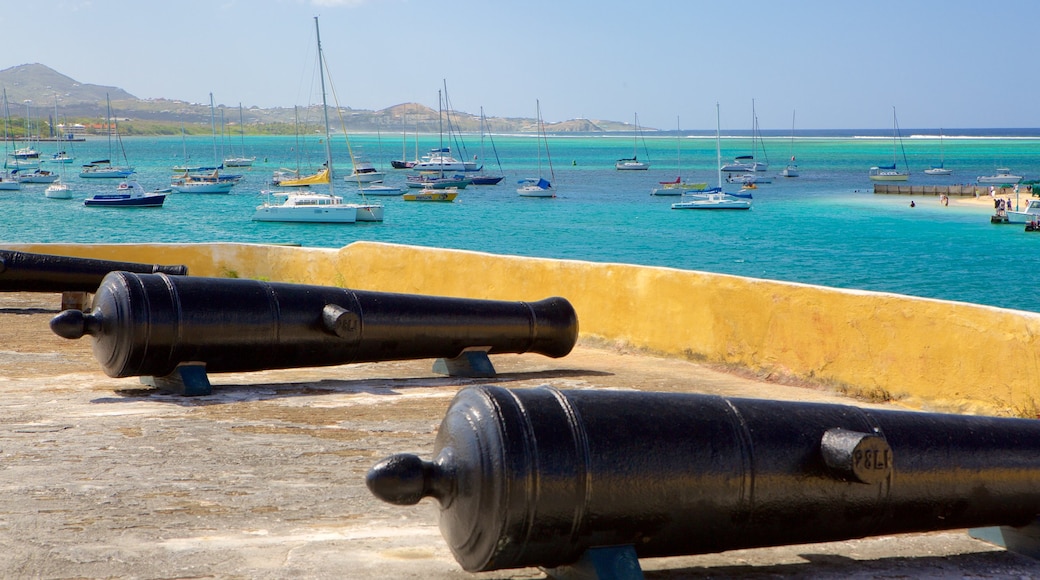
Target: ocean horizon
column 825, row 227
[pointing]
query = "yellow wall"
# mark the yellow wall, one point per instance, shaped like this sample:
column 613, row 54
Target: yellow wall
column 928, row 353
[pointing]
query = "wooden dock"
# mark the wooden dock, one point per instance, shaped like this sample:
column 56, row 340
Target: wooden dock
column 958, row 190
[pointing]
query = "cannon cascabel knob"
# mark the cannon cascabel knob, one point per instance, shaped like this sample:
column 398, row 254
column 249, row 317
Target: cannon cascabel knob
column 403, row 479
column 74, row 324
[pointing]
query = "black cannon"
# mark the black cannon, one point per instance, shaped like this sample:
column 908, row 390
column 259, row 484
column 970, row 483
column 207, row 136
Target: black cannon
column 29, row 272
column 542, row 477
column 149, row 324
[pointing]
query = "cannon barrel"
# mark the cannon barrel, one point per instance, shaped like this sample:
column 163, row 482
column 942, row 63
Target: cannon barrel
column 148, row 324
column 28, row 272
column 535, row 477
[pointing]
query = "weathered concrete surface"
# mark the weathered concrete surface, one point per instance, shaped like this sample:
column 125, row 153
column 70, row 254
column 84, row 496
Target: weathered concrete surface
column 104, row 478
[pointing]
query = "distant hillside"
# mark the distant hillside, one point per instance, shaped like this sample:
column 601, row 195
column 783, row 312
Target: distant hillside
column 85, row 103
column 40, row 84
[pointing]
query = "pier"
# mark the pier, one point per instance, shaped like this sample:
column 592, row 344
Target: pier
column 960, row 190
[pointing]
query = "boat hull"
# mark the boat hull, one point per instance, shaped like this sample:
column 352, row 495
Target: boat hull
column 534, row 191
column 151, row 200
column 337, row 215
column 107, row 174
column 431, row 195
column 631, row 166
column 384, row 190
column 486, row 179
column 216, row 187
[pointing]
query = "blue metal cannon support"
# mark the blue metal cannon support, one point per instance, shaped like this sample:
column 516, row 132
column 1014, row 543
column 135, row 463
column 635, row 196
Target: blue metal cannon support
column 177, row 329
column 550, row 478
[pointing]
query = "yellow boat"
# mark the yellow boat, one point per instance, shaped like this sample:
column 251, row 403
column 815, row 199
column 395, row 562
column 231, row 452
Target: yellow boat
column 318, row 178
column 448, row 194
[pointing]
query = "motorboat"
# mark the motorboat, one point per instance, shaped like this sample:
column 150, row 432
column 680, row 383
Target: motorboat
column 717, row 200
column 531, row 187
column 364, row 172
column 440, row 159
column 129, row 194
column 448, row 194
column 1003, row 176
column 1031, row 213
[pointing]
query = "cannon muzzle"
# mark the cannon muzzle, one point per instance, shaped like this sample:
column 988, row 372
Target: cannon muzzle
column 28, row 272
column 535, row 477
column 148, row 324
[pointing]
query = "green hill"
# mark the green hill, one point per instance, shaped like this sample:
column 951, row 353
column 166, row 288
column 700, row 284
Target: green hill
column 85, row 103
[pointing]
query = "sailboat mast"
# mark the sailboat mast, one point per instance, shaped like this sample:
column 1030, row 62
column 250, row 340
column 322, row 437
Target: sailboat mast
column 7, row 115
column 718, row 144
column 678, row 149
column 541, row 134
column 213, row 128
column 324, row 106
column 440, row 130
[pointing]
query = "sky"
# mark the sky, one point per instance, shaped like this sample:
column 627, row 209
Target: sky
column 813, row 64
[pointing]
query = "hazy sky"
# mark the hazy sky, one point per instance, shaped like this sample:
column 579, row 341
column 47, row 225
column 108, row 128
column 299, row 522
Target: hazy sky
column 839, row 64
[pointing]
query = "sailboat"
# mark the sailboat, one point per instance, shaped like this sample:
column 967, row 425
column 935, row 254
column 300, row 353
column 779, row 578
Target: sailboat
column 7, row 181
column 633, row 163
column 715, row 199
column 889, row 172
column 292, row 177
column 432, row 167
column 939, row 169
column 530, row 187
column 103, row 168
column 441, row 158
column 211, row 181
column 59, row 155
column 240, row 161
column 677, row 187
column 58, row 189
column 747, row 163
column 483, row 178
column 792, row 168
column 403, row 162
column 313, row 206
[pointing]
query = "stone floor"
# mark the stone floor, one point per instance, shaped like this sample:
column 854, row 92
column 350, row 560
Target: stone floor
column 103, row 477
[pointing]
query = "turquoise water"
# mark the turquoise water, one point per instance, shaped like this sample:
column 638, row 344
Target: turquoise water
column 825, row 227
